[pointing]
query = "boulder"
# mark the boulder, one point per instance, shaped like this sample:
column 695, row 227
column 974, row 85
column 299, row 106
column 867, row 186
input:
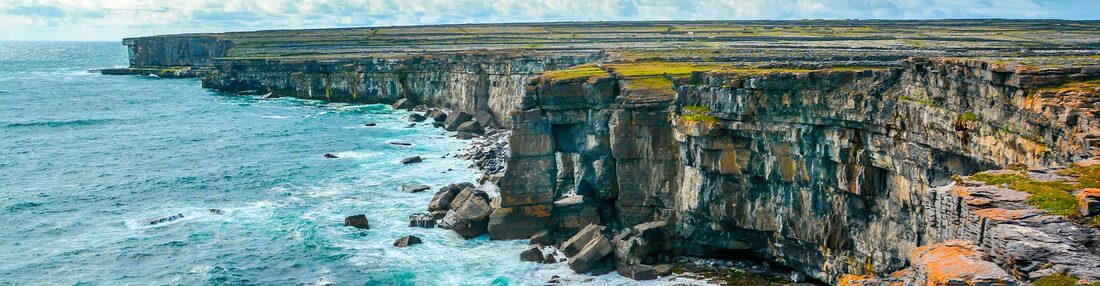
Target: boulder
column 469, row 214
column 643, row 243
column 444, row 197
column 550, row 258
column 357, row 221
column 411, row 160
column 471, row 127
column 542, row 237
column 416, row 117
column 638, row 272
column 484, row 119
column 591, row 254
column 574, row 244
column 455, row 119
column 957, row 262
column 331, row 156
column 1089, row 202
column 436, row 115
column 532, row 254
column 402, row 104
column 407, row 241
column 425, row 220
column 414, row 188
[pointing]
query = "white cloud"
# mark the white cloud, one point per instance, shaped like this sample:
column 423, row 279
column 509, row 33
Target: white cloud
column 112, row 20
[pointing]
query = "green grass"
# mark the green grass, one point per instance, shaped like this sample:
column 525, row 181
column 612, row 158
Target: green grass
column 695, row 113
column 1087, row 177
column 1057, row 280
column 575, row 72
column 967, row 117
column 1053, row 197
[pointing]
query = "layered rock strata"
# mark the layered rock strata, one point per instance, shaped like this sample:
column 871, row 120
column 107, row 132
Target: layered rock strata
column 727, row 139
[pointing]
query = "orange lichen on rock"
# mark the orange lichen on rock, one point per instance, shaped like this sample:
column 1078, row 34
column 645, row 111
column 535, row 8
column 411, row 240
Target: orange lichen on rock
column 955, row 261
column 851, row 280
column 1001, row 214
column 1089, row 201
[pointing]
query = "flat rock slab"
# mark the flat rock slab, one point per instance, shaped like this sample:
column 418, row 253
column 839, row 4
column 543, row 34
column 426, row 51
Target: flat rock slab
column 412, row 160
column 414, row 188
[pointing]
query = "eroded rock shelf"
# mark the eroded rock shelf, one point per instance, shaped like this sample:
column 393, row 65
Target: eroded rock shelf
column 855, row 152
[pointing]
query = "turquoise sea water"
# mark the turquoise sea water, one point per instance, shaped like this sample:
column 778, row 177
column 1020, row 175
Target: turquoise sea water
column 86, row 159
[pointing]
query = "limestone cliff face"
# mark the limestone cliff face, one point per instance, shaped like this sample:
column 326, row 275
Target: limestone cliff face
column 176, row 50
column 462, row 82
column 824, row 171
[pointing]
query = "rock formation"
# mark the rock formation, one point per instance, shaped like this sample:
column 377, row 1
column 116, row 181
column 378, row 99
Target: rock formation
column 633, row 143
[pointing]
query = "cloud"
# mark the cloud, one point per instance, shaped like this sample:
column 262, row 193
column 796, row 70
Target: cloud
column 35, row 11
column 112, row 20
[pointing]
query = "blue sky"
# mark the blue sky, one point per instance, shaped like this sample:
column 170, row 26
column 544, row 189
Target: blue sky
column 115, row 19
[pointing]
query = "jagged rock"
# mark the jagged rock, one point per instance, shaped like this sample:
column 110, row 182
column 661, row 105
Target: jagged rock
column 425, row 220
column 357, row 221
column 455, row 119
column 165, row 219
column 550, row 258
column 437, row 116
column 642, row 243
column 542, row 237
column 414, row 188
column 472, row 127
column 532, row 254
column 574, row 244
column 638, row 272
column 590, row 254
column 411, row 160
column 331, row 156
column 402, row 104
column 443, row 198
column 1089, row 202
column 484, row 119
column 416, row 117
column 407, row 240
column 469, row 214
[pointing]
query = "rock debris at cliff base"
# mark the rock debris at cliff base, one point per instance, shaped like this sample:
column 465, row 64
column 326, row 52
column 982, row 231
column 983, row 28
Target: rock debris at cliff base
column 849, row 151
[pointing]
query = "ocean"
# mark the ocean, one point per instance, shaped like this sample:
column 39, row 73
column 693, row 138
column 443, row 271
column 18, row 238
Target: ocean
column 86, row 160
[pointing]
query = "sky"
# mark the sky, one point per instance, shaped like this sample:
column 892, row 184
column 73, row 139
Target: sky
column 112, row 20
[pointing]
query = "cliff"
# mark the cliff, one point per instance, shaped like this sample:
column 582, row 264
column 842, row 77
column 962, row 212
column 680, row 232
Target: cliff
column 835, row 148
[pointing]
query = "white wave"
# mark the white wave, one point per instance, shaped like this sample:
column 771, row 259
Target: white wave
column 274, row 117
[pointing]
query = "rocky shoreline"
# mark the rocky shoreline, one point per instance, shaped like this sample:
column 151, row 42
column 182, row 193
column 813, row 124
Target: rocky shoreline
column 875, row 165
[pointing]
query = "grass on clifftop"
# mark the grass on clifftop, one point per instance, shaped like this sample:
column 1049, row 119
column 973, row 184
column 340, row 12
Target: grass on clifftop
column 1061, row 280
column 1053, row 197
column 575, row 72
column 1081, row 87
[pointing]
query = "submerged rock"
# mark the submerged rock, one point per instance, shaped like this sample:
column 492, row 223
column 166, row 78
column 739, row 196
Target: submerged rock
column 331, row 156
column 216, row 211
column 414, row 188
column 411, row 160
column 400, row 143
column 532, row 254
column 407, row 240
column 425, row 220
column 416, row 117
column 357, row 221
column 165, row 219
column 638, row 272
